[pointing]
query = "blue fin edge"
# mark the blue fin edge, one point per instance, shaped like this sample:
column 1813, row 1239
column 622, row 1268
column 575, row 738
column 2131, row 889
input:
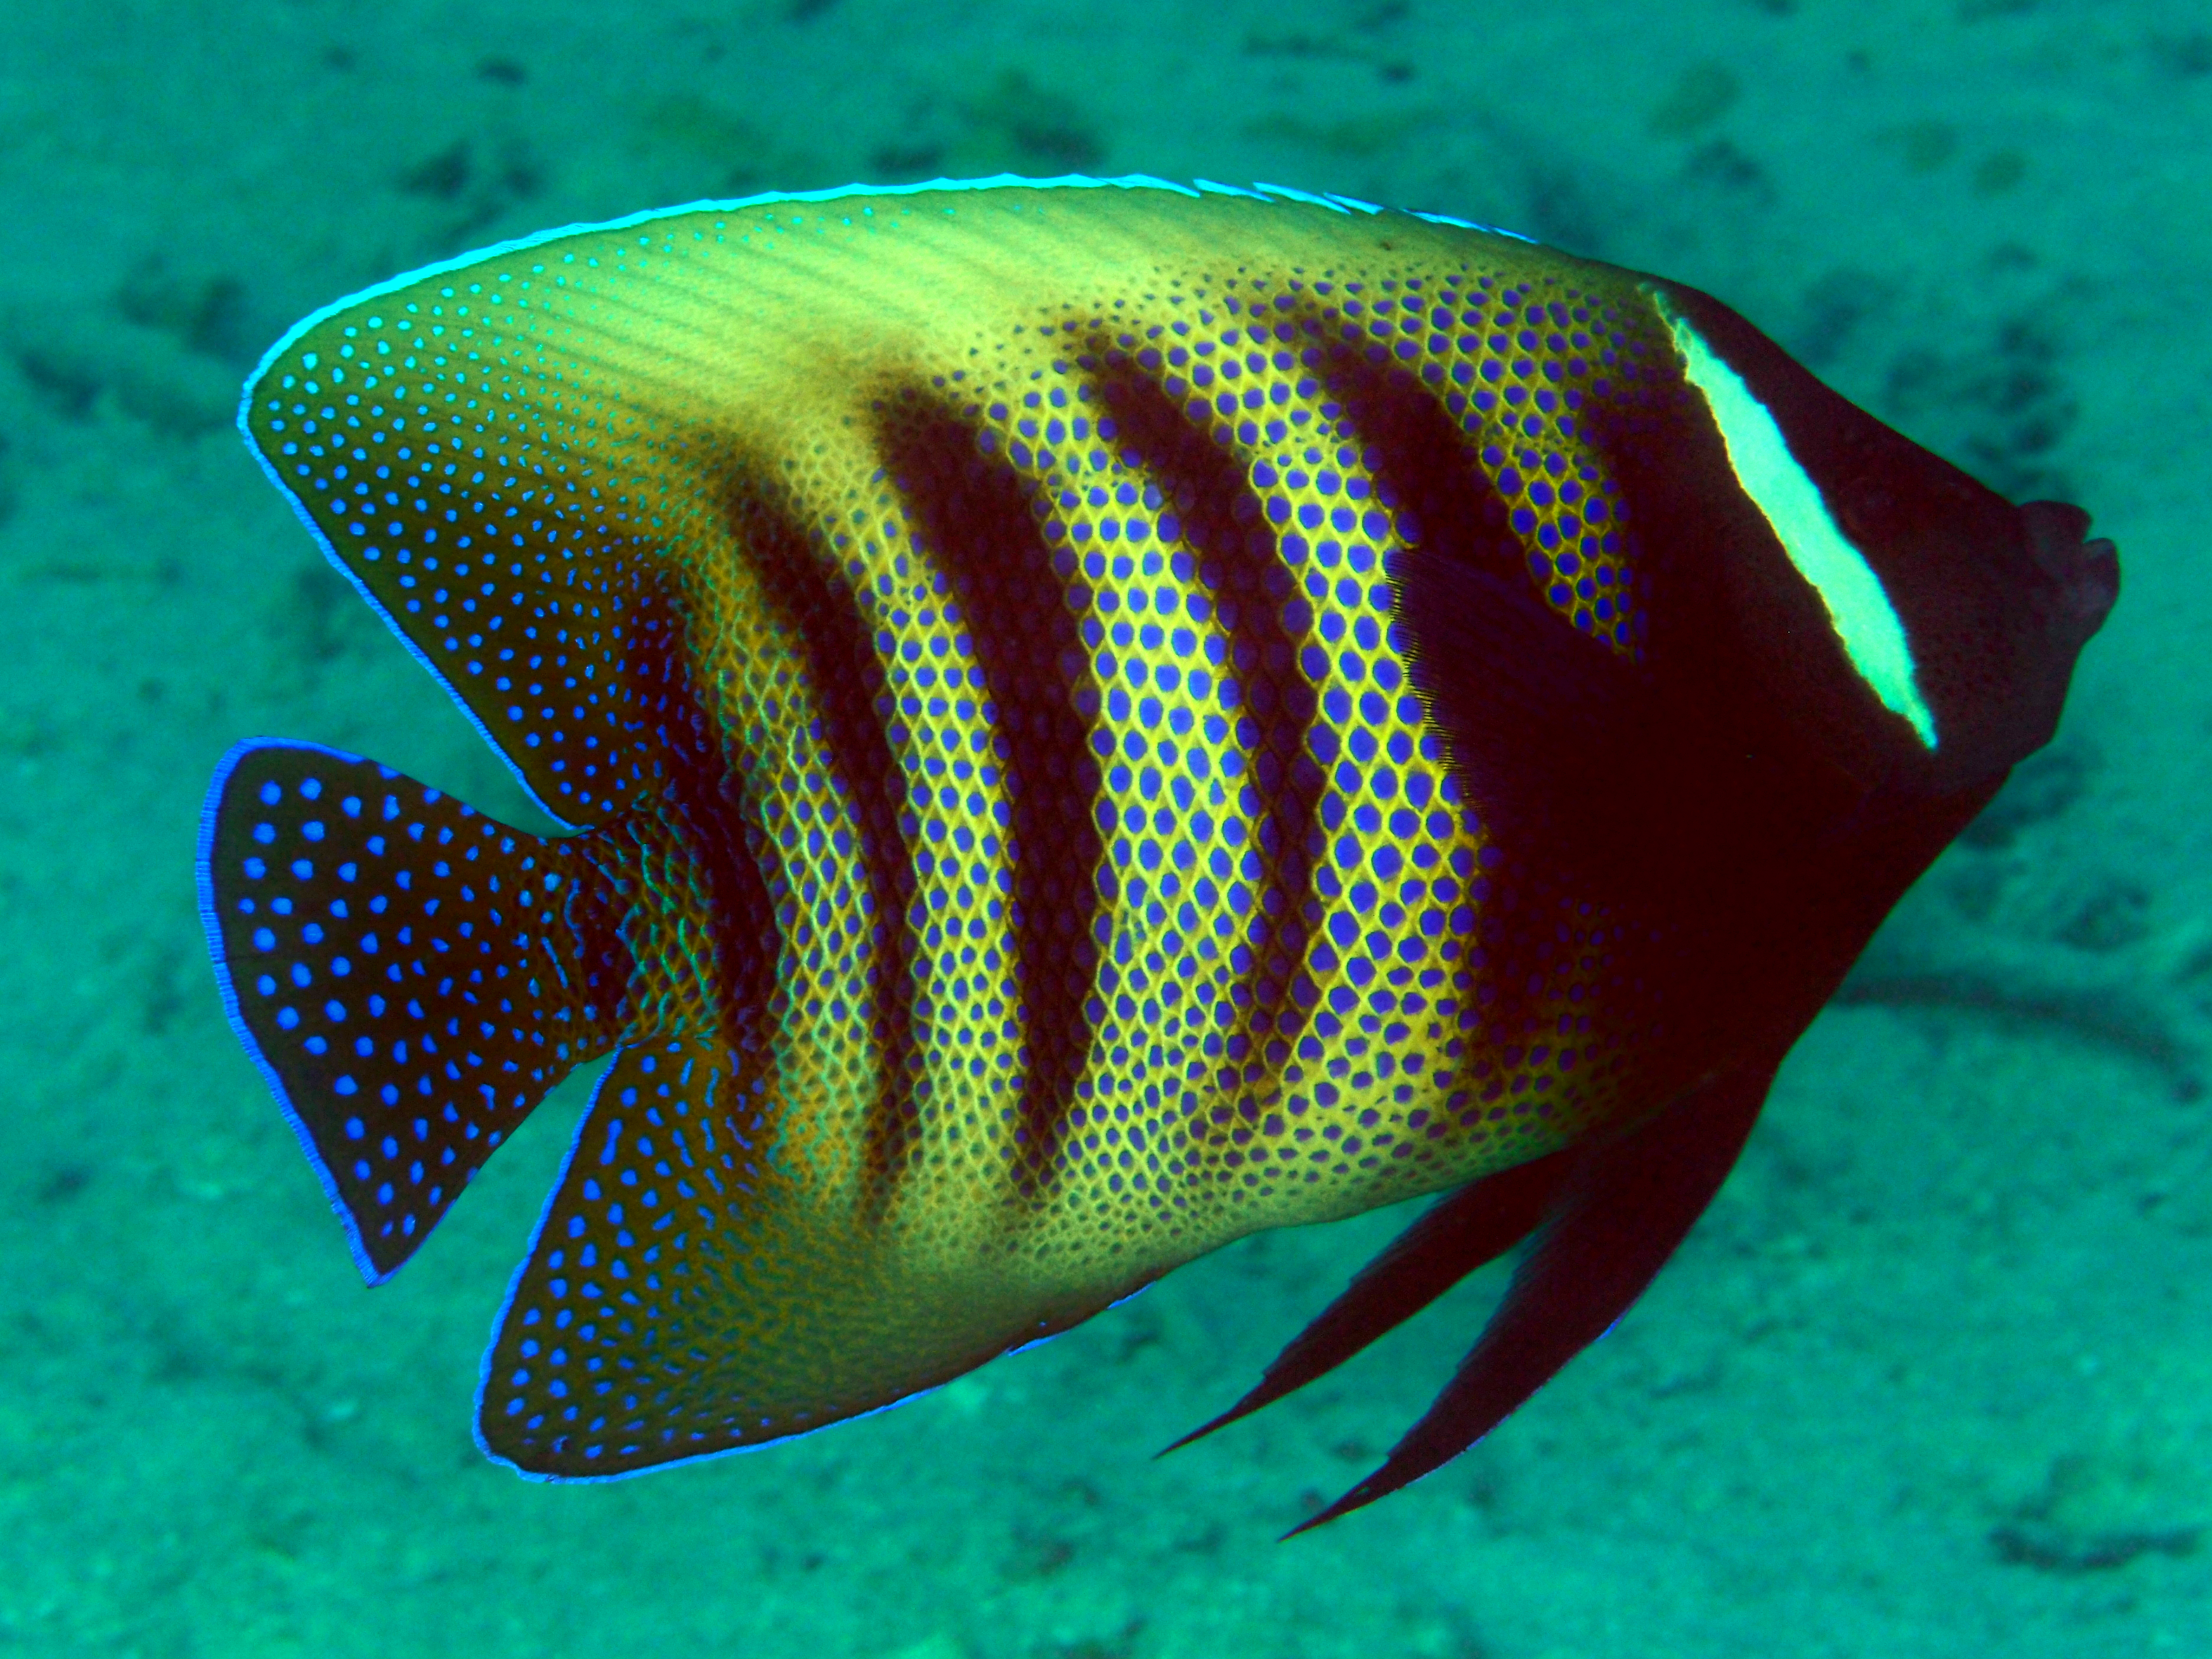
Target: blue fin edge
column 506, row 1303
column 529, row 1256
column 204, row 873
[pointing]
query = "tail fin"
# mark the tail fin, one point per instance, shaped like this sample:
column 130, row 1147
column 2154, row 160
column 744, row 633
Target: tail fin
column 411, row 978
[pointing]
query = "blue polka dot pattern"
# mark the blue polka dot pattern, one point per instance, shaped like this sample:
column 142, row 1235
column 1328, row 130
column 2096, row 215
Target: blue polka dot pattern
column 973, row 632
column 526, row 602
column 615, row 1316
column 412, row 977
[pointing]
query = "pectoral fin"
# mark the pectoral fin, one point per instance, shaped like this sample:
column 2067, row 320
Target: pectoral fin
column 1615, row 1219
column 1460, row 1232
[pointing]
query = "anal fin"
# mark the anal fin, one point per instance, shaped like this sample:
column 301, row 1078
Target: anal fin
column 700, row 1285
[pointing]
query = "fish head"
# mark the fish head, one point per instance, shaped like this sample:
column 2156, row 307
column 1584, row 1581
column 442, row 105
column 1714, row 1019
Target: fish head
column 2012, row 602
column 1925, row 627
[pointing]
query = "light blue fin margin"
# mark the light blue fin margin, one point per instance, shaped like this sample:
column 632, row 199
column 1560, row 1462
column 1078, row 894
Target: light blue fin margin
column 204, row 869
column 522, row 1270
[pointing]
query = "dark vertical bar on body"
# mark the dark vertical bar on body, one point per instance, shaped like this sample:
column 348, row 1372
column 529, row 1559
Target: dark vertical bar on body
column 1266, row 620
column 847, row 679
column 692, row 787
column 1502, row 731
column 975, row 518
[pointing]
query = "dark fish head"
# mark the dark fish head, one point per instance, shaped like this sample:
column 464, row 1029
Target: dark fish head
column 1951, row 665
column 1997, row 602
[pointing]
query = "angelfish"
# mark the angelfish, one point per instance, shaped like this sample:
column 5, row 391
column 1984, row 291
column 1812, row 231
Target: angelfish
column 1099, row 716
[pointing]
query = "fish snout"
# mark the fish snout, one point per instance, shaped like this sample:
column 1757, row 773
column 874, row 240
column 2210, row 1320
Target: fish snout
column 2086, row 573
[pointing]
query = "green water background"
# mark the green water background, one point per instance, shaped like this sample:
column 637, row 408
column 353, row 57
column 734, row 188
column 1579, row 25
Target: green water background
column 1931, row 1378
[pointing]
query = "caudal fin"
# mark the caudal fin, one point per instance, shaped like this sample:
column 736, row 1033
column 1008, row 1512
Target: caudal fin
column 411, row 978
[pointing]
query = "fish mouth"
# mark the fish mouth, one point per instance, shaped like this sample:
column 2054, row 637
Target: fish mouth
column 2054, row 603
column 2085, row 574
column 2075, row 583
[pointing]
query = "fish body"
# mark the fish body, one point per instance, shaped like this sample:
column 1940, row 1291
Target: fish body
column 1101, row 718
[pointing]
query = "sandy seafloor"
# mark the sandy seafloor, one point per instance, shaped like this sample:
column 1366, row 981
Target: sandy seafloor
column 1935, row 1374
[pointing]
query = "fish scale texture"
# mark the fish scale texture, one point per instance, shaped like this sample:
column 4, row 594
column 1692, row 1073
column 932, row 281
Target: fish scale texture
column 680, row 1301
column 992, row 606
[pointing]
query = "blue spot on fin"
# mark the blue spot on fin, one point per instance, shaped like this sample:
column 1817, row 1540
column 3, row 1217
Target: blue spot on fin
column 411, row 978
column 691, row 1293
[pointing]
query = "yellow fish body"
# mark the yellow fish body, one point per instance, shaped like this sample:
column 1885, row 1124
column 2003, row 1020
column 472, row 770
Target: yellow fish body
column 1104, row 717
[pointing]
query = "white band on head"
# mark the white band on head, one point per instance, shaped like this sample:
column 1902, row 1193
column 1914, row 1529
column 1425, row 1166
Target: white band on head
column 1858, row 608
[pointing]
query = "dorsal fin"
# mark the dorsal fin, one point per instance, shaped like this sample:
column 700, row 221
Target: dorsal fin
column 511, row 454
column 483, row 542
